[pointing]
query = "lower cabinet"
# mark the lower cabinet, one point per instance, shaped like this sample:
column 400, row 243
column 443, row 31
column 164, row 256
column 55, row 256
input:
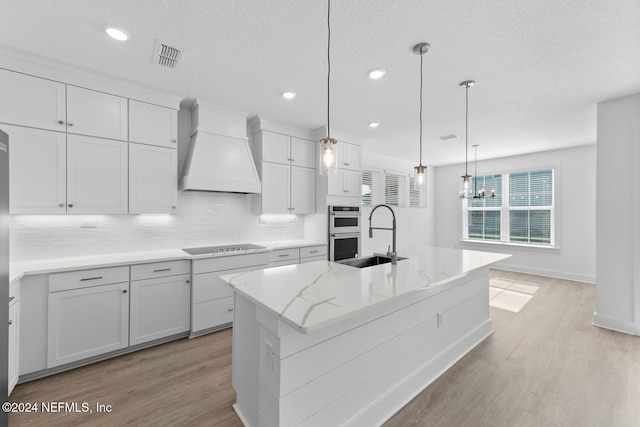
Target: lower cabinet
column 159, row 306
column 14, row 336
column 212, row 298
column 87, row 322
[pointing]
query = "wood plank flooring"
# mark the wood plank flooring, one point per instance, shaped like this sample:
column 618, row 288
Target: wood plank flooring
column 544, row 366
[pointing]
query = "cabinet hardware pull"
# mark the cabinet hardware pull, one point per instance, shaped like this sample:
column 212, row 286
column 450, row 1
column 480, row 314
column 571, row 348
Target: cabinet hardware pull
column 188, row 281
column 60, row 122
column 283, row 255
column 61, row 205
column 70, row 123
column 162, row 269
column 90, row 278
column 10, row 322
column 70, row 205
column 230, row 309
column 173, row 140
column 11, row 298
column 313, row 252
column 124, row 291
column 173, row 207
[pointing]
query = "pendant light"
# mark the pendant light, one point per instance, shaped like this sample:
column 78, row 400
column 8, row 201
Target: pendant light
column 328, row 151
column 479, row 194
column 464, row 193
column 419, row 171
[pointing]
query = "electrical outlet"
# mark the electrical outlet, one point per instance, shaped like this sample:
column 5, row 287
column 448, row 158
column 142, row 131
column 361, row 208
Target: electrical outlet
column 93, row 223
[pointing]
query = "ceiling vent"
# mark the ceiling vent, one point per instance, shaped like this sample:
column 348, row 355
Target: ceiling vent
column 166, row 55
column 447, row 137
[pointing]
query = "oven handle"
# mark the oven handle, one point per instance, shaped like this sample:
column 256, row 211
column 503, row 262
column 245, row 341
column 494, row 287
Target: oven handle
column 345, row 235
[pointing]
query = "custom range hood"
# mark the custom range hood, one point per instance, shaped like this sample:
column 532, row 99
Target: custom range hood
column 219, row 158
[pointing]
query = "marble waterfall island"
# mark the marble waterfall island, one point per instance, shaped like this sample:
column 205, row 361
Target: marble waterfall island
column 324, row 343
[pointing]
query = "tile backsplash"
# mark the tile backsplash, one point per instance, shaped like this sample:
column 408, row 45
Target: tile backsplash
column 202, row 219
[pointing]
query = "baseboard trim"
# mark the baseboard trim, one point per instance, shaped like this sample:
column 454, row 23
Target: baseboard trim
column 547, row 273
column 614, row 324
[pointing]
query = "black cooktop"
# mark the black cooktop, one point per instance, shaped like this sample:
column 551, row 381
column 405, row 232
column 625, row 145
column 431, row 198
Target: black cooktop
column 243, row 247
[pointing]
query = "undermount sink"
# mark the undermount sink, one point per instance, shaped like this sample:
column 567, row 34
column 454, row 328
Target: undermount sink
column 368, row 261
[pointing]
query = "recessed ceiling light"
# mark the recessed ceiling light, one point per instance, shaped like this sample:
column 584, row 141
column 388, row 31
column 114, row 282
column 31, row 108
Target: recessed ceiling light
column 374, row 124
column 376, row 74
column 116, row 33
column 289, row 95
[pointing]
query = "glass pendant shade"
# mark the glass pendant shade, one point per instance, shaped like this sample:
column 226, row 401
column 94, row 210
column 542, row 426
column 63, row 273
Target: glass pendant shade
column 328, row 156
column 465, row 192
column 419, row 177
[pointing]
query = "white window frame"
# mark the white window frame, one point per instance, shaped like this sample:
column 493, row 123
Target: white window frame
column 402, row 188
column 505, row 209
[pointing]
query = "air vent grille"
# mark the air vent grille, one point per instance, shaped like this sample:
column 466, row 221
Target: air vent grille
column 166, row 55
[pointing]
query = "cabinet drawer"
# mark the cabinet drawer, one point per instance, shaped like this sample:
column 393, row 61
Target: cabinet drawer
column 229, row 262
column 160, row 269
column 284, row 255
column 313, row 258
column 313, row 251
column 209, row 286
column 212, row 313
column 87, row 278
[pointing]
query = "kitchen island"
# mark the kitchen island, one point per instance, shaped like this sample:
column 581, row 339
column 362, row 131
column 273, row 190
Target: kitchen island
column 324, row 343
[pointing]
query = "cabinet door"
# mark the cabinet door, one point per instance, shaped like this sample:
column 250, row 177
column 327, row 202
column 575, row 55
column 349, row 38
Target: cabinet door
column 275, row 188
column 96, row 114
column 87, row 322
column 152, row 124
column 336, row 184
column 38, row 170
column 14, row 344
column 32, row 101
column 352, row 183
column 351, row 157
column 303, row 190
column 97, row 175
column 159, row 308
column 303, row 153
column 275, row 148
column 153, row 179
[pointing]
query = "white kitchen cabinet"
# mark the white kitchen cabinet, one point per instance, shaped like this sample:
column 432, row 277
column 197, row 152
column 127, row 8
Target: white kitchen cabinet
column 87, row 322
column 276, row 188
column 97, row 175
column 38, row 167
column 31, row 101
column 14, row 335
column 159, row 307
column 153, row 179
column 286, row 165
column 280, row 257
column 94, row 113
column 349, row 156
column 313, row 253
column 212, row 299
column 153, row 124
column 344, row 183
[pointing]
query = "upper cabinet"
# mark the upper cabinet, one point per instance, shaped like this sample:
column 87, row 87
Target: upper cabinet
column 79, row 150
column 33, row 102
column 287, row 167
column 152, row 124
column 96, row 114
column 349, row 156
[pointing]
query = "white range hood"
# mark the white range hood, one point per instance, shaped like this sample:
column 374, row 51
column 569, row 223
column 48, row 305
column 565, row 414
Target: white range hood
column 219, row 158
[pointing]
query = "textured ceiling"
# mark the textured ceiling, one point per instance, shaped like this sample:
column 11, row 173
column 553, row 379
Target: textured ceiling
column 540, row 66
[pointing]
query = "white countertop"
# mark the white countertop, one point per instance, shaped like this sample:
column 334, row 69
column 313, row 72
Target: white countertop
column 317, row 294
column 55, row 265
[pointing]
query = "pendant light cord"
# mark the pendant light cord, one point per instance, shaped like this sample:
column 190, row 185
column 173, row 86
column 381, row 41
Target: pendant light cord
column 328, row 68
column 421, row 54
column 466, row 130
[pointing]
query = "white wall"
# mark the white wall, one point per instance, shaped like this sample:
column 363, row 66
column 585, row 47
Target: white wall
column 203, row 219
column 575, row 173
column 618, row 213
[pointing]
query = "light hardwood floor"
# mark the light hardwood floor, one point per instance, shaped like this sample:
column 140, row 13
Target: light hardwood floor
column 544, row 366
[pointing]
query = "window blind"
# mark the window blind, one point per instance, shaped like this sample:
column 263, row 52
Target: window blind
column 367, row 188
column 392, row 189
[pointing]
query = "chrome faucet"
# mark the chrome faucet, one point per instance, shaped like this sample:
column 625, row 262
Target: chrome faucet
column 390, row 253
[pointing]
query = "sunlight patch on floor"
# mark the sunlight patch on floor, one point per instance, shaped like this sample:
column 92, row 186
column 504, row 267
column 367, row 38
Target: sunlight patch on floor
column 510, row 295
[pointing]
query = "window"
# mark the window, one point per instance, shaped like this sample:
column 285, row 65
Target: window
column 367, row 188
column 392, row 189
column 521, row 212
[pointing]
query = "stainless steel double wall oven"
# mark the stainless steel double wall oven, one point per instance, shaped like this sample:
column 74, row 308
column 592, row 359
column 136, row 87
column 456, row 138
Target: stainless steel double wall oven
column 344, row 232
